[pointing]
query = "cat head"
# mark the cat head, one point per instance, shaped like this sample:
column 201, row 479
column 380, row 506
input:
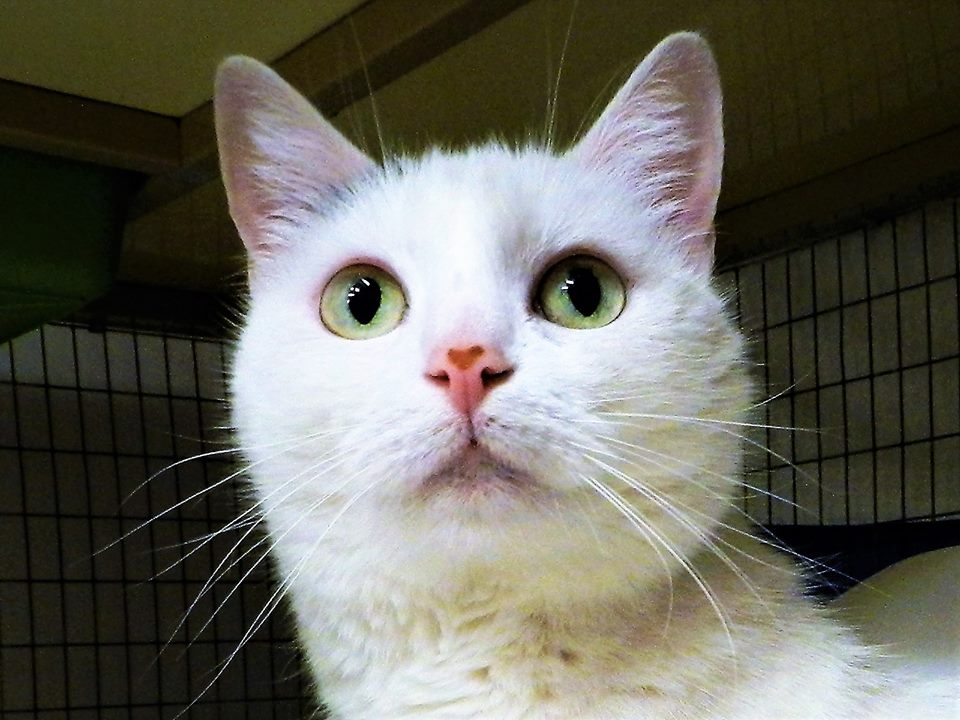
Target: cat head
column 503, row 351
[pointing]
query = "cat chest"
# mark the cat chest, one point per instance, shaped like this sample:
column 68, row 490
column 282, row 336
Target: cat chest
column 400, row 664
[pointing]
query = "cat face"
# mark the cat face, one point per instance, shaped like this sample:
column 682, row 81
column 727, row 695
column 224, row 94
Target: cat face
column 478, row 348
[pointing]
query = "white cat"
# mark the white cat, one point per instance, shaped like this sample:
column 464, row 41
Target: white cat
column 492, row 405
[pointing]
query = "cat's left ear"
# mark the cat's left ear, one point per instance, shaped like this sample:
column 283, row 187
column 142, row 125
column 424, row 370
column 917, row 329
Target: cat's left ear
column 281, row 161
column 663, row 135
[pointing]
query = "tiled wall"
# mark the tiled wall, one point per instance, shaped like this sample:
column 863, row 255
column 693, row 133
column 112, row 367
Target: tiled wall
column 859, row 339
column 85, row 419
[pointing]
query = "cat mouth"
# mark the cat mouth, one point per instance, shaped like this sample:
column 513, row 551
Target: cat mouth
column 476, row 473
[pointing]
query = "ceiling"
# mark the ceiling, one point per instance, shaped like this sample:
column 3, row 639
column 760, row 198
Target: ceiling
column 154, row 56
column 832, row 107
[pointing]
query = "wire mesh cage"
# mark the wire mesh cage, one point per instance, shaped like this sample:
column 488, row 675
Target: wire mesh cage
column 106, row 613
column 856, row 335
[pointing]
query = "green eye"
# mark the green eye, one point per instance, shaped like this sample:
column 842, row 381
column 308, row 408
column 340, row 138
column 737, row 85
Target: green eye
column 581, row 292
column 362, row 302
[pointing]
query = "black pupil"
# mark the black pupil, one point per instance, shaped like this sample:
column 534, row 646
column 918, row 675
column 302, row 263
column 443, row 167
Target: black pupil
column 583, row 289
column 363, row 300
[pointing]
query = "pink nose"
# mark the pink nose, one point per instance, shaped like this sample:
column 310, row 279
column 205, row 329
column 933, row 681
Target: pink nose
column 468, row 373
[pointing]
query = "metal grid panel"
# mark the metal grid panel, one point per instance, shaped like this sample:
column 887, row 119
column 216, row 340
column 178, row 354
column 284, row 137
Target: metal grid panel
column 858, row 336
column 85, row 418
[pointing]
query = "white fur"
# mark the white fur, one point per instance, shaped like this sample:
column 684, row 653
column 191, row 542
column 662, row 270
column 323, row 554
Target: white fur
column 548, row 601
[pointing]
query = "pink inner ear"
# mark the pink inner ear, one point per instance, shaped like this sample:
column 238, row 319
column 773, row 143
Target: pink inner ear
column 663, row 135
column 281, row 160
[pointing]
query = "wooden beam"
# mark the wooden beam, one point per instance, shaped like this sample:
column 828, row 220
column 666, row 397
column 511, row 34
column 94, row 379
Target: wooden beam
column 76, row 128
column 366, row 50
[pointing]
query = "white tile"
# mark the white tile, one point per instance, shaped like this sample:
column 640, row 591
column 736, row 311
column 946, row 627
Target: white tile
column 157, row 423
column 186, row 427
column 96, row 424
column 915, row 324
column 853, row 271
column 861, row 488
column 882, row 263
column 83, row 681
column 113, row 671
column 776, row 291
column 803, row 354
column 13, row 559
column 58, row 350
column 11, row 492
column 91, row 359
column 108, row 560
column 883, row 330
column 170, row 599
column 46, row 607
column 779, row 416
column 121, row 362
column 946, row 398
column 889, row 485
column 944, row 325
column 72, row 483
column 829, row 347
column 44, row 557
column 910, row 248
column 831, row 421
column 28, row 358
column 778, row 360
column 947, row 475
column 38, row 482
column 17, row 613
column 51, row 683
column 808, row 494
column 129, row 488
column 8, row 417
column 77, row 552
column 182, row 368
column 827, row 271
column 917, row 471
column 859, row 434
column 141, row 603
column 833, row 483
column 807, row 434
column 65, row 419
column 210, row 370
column 143, row 668
column 801, row 282
column 101, row 471
column 17, row 662
column 941, row 238
column 887, row 409
column 751, row 297
column 6, row 363
column 127, row 423
column 856, row 341
column 152, row 364
column 782, row 502
column 916, row 404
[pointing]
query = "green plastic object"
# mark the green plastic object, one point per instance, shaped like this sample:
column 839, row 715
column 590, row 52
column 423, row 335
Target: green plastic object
column 61, row 223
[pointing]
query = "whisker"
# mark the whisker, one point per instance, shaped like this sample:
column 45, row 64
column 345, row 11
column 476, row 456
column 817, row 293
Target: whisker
column 277, row 596
column 552, row 116
column 303, row 441
column 669, row 507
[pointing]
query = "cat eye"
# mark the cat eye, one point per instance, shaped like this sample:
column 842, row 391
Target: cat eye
column 581, row 292
column 362, row 302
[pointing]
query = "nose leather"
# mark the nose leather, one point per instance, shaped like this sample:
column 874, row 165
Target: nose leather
column 467, row 373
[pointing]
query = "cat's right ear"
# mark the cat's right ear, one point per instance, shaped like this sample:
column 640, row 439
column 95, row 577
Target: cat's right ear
column 662, row 136
column 281, row 161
